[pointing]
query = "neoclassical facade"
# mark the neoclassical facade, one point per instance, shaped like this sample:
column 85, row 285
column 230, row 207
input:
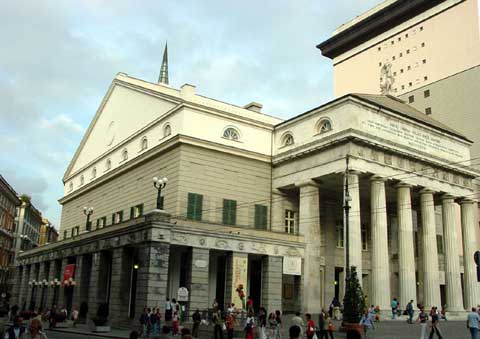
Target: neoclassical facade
column 254, row 206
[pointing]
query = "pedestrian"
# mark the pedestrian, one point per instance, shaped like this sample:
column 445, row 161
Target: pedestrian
column 434, row 326
column 75, row 316
column 310, row 326
column 175, row 323
column 52, row 317
column 321, row 325
column 250, row 304
column 34, row 331
column 231, row 308
column 443, row 312
column 215, row 305
column 330, row 309
column 153, row 322
column 262, row 322
column 278, row 328
column 249, row 326
column 394, row 305
column 294, row 332
column 298, row 321
column 367, row 322
column 217, row 325
column 272, row 325
column 336, row 309
column 423, row 319
column 328, row 327
column 196, row 318
column 230, row 324
column 144, row 321
column 331, row 328
column 168, row 310
column 16, row 330
column 472, row 323
column 410, row 312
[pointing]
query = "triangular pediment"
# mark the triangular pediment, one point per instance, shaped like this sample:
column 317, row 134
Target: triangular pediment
column 124, row 112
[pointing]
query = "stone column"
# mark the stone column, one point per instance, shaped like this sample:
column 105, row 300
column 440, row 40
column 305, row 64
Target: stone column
column 51, row 288
column 199, row 280
column 355, row 225
column 78, row 282
column 61, row 291
column 431, row 282
column 31, row 293
column 152, row 276
column 472, row 295
column 17, row 287
column 380, row 290
column 453, row 282
column 120, row 286
column 406, row 254
column 40, row 288
column 278, row 211
column 24, row 287
column 309, row 222
column 94, row 284
column 272, row 271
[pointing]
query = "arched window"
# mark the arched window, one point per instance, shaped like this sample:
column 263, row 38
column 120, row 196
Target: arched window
column 124, row 154
column 108, row 164
column 94, row 172
column 324, row 125
column 288, row 140
column 70, row 187
column 231, row 134
column 167, row 130
column 144, row 144
column 82, row 180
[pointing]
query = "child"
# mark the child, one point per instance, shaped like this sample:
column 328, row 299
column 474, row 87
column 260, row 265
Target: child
column 175, row 323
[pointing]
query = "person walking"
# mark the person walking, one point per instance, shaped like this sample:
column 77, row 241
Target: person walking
column 321, row 325
column 434, row 326
column 410, row 312
column 278, row 328
column 262, row 322
column 298, row 321
column 472, row 323
column 423, row 320
column 329, row 327
column 272, row 325
column 249, row 326
column 310, row 326
column 16, row 330
column 367, row 322
column 144, row 321
column 175, row 323
column 217, row 325
column 168, row 310
column 196, row 318
column 230, row 324
column 34, row 331
column 155, row 322
column 394, row 305
column 75, row 316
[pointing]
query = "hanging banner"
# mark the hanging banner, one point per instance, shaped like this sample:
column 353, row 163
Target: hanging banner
column 239, row 281
column 292, row 265
column 68, row 272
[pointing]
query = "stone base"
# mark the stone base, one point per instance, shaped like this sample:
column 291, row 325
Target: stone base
column 102, row 329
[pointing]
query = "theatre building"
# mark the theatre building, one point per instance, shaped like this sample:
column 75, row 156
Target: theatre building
column 254, row 205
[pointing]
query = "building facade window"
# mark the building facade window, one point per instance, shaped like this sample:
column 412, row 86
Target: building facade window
column 261, row 217
column 229, row 212
column 82, row 180
column 364, row 237
column 426, row 93
column 65, row 234
column 424, row 61
column 231, row 134
column 167, row 130
column 194, row 206
column 144, row 144
column 94, row 173
column 101, row 222
column 288, row 140
column 125, row 155
column 439, row 244
column 136, row 211
column 324, row 125
column 70, row 187
column 340, row 235
column 108, row 164
column 117, row 217
column 291, row 222
column 411, row 99
column 428, row 110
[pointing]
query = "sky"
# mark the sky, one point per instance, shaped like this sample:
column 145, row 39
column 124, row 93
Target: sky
column 58, row 58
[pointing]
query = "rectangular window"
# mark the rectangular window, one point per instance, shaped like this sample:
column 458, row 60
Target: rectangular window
column 136, row 211
column 364, row 238
column 393, row 57
column 411, row 99
column 421, row 28
column 400, row 55
column 409, row 68
column 425, row 78
column 423, row 44
column 401, row 70
column 403, row 86
column 65, row 234
column 426, row 93
column 428, row 110
column 290, row 222
column 194, row 206
column 117, row 217
column 339, row 229
column 229, row 212
column 379, row 64
column 261, row 217
column 439, row 244
column 408, row 51
column 424, row 61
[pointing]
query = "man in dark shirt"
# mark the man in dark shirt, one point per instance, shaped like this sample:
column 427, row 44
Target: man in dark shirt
column 435, row 328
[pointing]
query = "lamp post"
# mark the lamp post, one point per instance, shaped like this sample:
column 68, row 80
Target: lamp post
column 346, row 207
column 88, row 211
column 159, row 184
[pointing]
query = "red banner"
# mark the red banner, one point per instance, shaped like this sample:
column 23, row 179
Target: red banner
column 69, row 271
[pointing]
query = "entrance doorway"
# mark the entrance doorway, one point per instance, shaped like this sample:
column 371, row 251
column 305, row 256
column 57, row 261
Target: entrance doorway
column 255, row 281
column 221, row 274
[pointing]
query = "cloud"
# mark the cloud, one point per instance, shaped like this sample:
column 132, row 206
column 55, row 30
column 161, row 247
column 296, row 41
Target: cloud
column 61, row 124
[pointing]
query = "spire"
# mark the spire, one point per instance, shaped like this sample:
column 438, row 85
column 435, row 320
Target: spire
column 163, row 77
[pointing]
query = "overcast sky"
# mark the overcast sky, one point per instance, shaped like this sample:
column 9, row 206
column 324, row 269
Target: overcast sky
column 58, row 58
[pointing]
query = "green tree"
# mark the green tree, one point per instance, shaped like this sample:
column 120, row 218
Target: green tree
column 354, row 302
column 25, row 198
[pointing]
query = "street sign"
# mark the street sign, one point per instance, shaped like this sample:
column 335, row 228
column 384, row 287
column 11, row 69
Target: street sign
column 476, row 257
column 182, row 294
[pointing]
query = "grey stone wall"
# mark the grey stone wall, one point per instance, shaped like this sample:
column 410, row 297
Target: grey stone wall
column 272, row 271
column 199, row 279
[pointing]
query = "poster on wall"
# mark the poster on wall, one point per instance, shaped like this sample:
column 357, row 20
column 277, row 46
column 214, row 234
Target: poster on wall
column 239, row 281
column 292, row 265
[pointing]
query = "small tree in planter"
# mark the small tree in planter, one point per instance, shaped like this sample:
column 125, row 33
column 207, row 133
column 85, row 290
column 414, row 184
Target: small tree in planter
column 101, row 319
column 354, row 303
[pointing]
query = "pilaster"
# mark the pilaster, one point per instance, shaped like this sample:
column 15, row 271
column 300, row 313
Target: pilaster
column 355, row 225
column 61, row 292
column 272, row 271
column 452, row 266
column 199, row 280
column 119, row 285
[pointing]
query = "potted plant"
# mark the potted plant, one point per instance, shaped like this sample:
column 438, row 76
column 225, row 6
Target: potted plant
column 353, row 304
column 101, row 319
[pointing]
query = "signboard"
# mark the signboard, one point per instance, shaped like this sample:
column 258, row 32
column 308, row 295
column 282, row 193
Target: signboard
column 292, row 265
column 239, row 281
column 182, row 294
column 68, row 272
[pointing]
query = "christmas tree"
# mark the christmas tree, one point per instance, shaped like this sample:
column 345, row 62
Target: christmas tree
column 354, row 302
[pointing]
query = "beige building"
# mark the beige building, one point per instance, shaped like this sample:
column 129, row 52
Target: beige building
column 404, row 44
column 253, row 204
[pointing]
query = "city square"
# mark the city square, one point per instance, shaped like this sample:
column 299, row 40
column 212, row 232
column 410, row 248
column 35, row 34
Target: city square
column 180, row 207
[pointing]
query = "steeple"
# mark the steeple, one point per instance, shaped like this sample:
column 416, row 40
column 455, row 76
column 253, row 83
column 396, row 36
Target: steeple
column 163, row 77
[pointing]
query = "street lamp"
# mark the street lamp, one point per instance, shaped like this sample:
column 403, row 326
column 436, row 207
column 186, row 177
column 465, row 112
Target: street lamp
column 159, row 184
column 88, row 211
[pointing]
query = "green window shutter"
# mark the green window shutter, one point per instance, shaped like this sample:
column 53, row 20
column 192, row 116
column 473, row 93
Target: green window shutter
column 113, row 218
column 120, row 217
column 194, row 206
column 190, row 206
column 229, row 212
column 132, row 212
column 198, row 207
column 140, row 210
column 261, row 217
